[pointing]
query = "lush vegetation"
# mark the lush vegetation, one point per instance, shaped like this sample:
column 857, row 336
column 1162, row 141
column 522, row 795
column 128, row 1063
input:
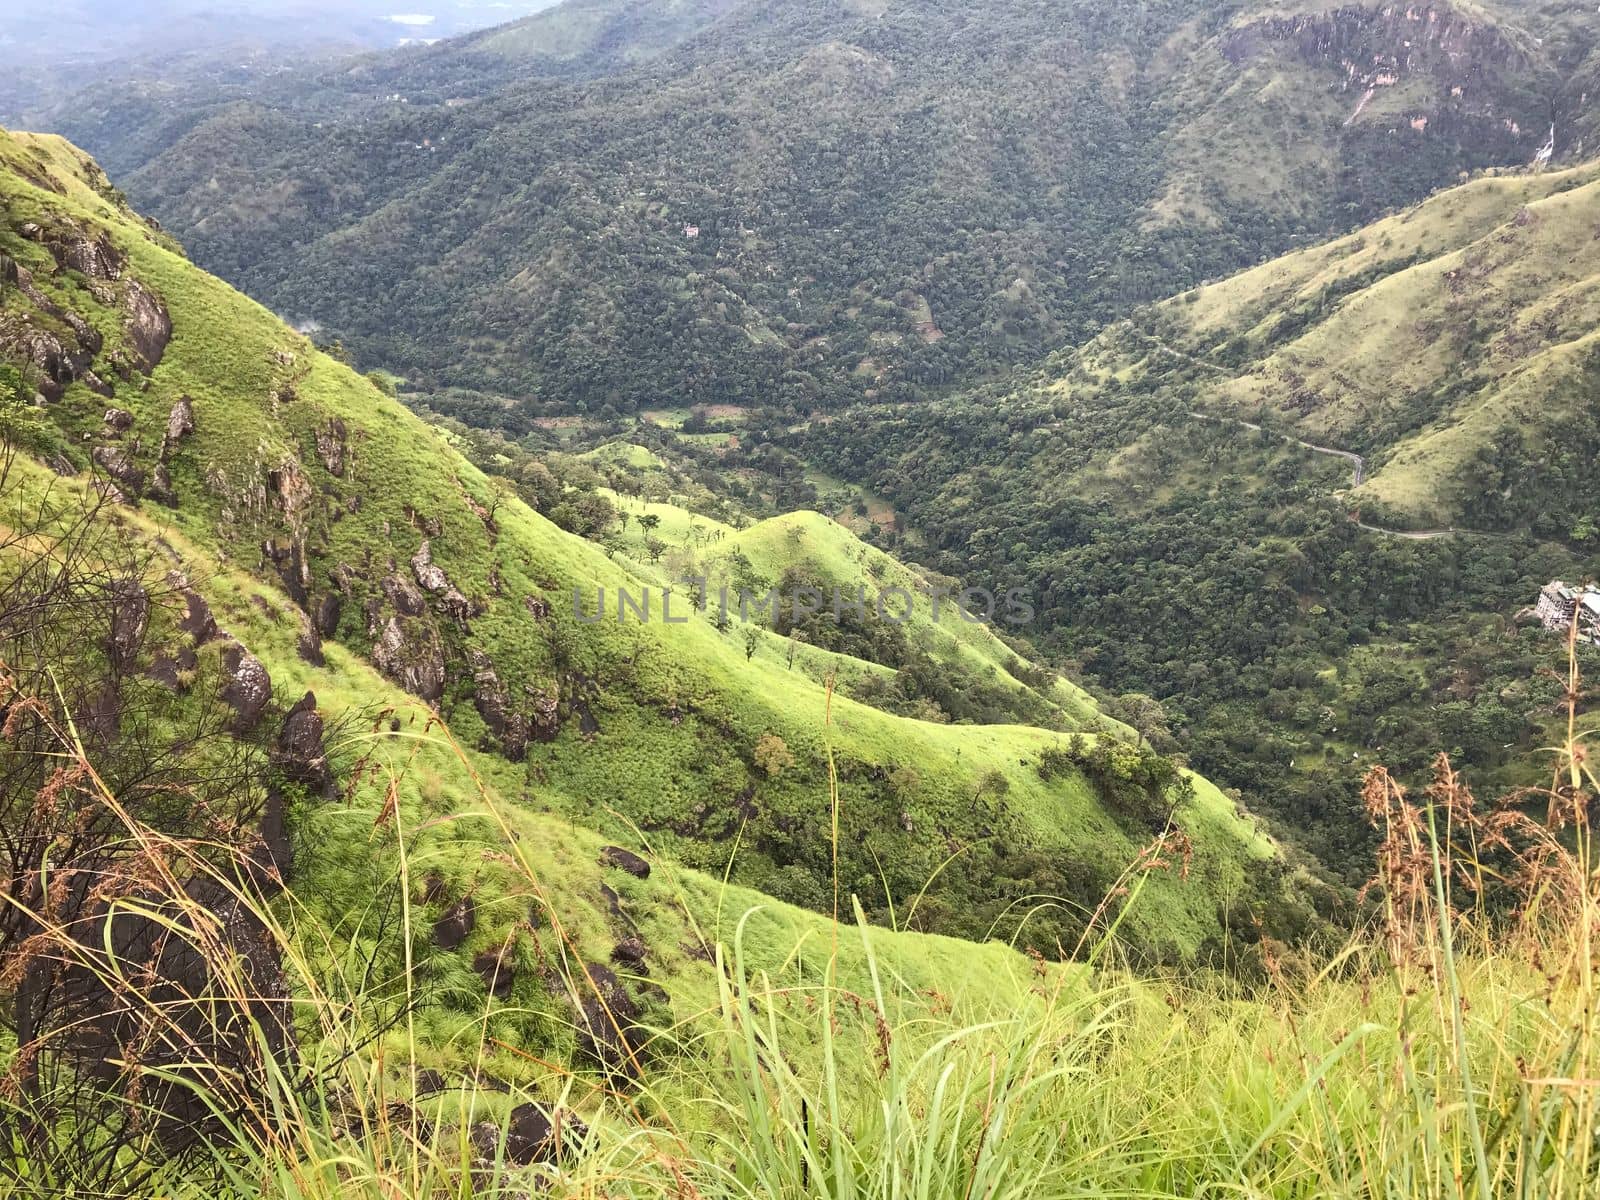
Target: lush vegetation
column 811, row 203
column 379, row 538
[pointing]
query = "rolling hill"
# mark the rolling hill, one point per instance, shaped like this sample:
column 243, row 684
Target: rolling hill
column 275, row 479
column 1452, row 345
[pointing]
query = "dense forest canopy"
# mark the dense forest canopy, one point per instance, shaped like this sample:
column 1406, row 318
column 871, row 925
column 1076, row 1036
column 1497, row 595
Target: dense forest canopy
column 815, row 203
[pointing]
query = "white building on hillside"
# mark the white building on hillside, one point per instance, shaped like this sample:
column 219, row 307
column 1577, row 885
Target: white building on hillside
column 1559, row 603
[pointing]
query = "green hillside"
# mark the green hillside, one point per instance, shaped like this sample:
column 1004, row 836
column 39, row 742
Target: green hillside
column 820, row 203
column 1453, row 345
column 379, row 538
column 1179, row 494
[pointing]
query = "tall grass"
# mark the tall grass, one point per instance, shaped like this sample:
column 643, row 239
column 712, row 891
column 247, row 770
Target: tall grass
column 1449, row 1049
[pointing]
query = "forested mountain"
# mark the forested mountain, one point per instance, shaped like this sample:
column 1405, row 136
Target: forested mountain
column 808, row 597
column 1303, row 508
column 815, row 202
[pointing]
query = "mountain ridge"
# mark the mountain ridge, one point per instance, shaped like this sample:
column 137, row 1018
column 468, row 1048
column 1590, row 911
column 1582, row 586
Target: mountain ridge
column 806, row 263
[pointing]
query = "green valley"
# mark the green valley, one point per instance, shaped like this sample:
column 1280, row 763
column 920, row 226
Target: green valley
column 820, row 600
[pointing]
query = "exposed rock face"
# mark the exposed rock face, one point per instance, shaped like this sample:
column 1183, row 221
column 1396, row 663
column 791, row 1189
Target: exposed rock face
column 493, row 704
column 180, row 424
column 1372, row 48
column 625, row 860
column 199, row 1018
column 535, row 1134
column 309, row 646
column 290, row 565
column 1378, row 35
column 91, row 257
column 119, row 466
column 607, row 1032
column 160, row 487
column 429, row 1082
column 458, row 921
column 57, row 362
column 300, row 752
column 118, row 420
column 248, row 689
column 197, row 620
column 546, row 712
column 327, row 615
column 630, row 953
column 331, row 446
column 273, row 860
column 408, row 652
column 147, row 326
column 130, row 616
column 433, row 579
column 403, row 594
column 495, row 966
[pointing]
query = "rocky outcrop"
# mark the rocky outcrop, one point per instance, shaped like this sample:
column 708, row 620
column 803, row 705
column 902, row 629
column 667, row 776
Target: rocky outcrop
column 330, row 440
column 309, row 646
column 497, row 970
column 130, row 617
column 147, row 326
column 546, row 712
column 92, row 257
column 180, row 424
column 326, row 617
column 631, row 953
column 403, row 594
column 408, row 651
column 608, row 1032
column 119, row 465
column 289, row 562
column 300, row 753
column 533, row 1134
column 248, row 688
column 625, row 860
column 57, row 361
column 456, row 924
column 209, row 1026
column 492, row 701
column 434, row 580
column 197, row 620
column 160, row 487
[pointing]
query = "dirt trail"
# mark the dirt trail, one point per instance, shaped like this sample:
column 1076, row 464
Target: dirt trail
column 1358, row 473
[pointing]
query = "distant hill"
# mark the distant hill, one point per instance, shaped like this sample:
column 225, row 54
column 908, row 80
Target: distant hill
column 56, row 52
column 820, row 202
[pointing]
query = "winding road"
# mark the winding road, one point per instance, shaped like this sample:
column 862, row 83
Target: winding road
column 1358, row 464
column 1358, row 472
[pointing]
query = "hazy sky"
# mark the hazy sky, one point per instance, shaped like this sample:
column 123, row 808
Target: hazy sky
column 68, row 30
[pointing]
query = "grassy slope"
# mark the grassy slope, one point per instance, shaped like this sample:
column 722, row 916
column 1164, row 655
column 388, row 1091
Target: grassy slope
column 678, row 708
column 1415, row 340
column 453, row 820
